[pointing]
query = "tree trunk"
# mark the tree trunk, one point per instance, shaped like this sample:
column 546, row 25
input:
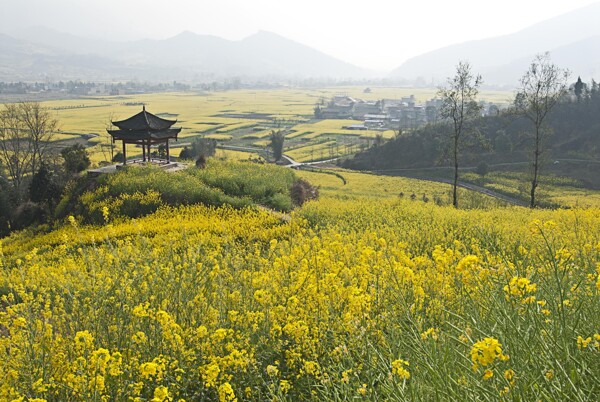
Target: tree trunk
column 536, row 166
column 455, row 185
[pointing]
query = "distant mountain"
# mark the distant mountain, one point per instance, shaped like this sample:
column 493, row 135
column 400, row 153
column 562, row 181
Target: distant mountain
column 502, row 60
column 184, row 56
column 278, row 54
column 23, row 60
column 65, row 42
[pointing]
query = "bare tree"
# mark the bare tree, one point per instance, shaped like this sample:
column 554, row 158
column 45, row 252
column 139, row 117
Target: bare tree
column 40, row 126
column 460, row 108
column 541, row 87
column 16, row 151
column 26, row 131
column 108, row 125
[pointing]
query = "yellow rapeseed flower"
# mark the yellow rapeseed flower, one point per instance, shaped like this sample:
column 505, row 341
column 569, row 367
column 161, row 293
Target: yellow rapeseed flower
column 84, row 340
column 226, row 393
column 486, row 352
column 161, row 394
column 399, row 369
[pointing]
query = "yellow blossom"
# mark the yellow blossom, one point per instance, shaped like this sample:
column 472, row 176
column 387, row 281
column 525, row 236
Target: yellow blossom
column 226, row 393
column 83, row 339
column 399, row 369
column 161, row 394
column 583, row 343
column 486, row 352
column 272, row 371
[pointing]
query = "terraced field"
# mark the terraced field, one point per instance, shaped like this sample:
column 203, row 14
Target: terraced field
column 244, row 117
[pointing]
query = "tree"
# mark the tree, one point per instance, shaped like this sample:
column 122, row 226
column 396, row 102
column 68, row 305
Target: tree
column 541, row 87
column 76, row 158
column 318, row 112
column 15, row 148
column 277, row 139
column 502, row 143
column 26, row 131
column 460, row 109
column 203, row 147
column 7, row 206
column 40, row 126
column 43, row 187
column 578, row 89
column 160, row 152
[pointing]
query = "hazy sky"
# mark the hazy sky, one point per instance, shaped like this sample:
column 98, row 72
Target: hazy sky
column 377, row 34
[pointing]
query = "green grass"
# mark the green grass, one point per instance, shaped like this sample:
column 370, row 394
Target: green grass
column 137, row 191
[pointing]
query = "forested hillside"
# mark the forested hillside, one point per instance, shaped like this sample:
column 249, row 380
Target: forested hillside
column 574, row 140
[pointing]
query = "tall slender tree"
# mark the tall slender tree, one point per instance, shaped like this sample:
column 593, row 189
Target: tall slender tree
column 578, row 89
column 460, row 109
column 277, row 139
column 541, row 87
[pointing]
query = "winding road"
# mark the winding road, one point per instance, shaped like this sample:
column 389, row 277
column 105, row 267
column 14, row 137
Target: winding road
column 291, row 163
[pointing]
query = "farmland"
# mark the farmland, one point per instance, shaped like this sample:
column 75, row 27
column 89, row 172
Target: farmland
column 241, row 117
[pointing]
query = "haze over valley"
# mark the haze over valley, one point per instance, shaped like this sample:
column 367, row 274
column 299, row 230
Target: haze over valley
column 40, row 53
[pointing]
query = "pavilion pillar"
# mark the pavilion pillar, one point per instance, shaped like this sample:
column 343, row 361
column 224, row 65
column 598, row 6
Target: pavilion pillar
column 149, row 157
column 124, row 153
column 168, row 155
column 143, row 152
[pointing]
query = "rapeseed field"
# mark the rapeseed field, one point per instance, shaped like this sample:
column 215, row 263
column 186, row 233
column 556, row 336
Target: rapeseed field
column 346, row 298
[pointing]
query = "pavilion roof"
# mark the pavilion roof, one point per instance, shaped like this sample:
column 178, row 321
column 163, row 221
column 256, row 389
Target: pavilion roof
column 152, row 135
column 144, row 121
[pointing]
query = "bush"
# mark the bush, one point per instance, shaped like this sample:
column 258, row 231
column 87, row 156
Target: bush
column 482, row 169
column 76, row 158
column 27, row 214
column 303, row 191
column 44, row 187
column 118, row 157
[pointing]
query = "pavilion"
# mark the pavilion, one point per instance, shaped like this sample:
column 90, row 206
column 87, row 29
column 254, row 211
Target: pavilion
column 144, row 129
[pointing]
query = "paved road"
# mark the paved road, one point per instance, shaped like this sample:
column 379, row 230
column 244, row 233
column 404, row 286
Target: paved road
column 486, row 191
column 298, row 165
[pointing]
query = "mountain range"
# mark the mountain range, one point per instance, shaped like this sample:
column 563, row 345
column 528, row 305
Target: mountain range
column 39, row 53
column 573, row 40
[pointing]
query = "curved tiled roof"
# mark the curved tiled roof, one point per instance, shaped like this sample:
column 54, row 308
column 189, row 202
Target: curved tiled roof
column 135, row 135
column 144, row 121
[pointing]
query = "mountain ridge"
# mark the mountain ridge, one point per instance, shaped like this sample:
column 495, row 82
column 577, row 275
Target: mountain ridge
column 186, row 55
column 498, row 58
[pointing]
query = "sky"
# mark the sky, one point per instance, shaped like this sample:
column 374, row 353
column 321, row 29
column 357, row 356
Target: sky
column 375, row 34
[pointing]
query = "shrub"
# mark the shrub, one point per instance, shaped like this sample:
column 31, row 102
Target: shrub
column 76, row 158
column 303, row 191
column 118, row 157
column 482, row 169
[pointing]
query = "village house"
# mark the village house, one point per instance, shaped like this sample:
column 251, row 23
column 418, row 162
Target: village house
column 339, row 107
column 403, row 113
column 362, row 108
